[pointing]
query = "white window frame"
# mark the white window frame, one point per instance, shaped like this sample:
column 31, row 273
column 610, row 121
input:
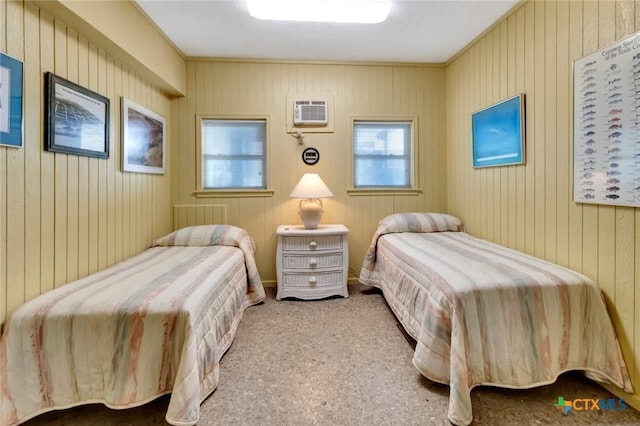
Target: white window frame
column 201, row 191
column 411, row 188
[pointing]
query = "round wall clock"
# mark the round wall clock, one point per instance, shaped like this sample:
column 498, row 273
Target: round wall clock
column 310, row 156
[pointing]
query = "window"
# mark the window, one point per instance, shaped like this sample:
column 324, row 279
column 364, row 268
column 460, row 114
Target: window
column 382, row 154
column 233, row 154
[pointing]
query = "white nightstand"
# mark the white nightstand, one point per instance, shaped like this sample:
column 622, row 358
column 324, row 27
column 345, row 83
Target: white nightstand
column 312, row 263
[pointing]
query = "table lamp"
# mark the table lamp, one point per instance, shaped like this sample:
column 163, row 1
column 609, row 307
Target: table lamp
column 310, row 188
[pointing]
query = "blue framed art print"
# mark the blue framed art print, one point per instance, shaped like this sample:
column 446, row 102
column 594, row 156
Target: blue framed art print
column 498, row 133
column 10, row 101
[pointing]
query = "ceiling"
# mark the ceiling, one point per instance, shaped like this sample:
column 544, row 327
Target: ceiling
column 423, row 31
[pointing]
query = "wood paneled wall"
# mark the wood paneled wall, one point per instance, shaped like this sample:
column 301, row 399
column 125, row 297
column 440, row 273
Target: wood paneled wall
column 240, row 88
column 63, row 216
column 530, row 207
column 205, row 214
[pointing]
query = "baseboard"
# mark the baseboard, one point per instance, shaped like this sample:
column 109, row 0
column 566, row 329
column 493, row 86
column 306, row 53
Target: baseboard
column 270, row 283
column 632, row 400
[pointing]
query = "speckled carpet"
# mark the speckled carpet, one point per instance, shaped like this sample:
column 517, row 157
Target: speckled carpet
column 344, row 362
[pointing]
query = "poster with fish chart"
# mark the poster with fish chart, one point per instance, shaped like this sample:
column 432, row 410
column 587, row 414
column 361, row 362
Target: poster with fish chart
column 606, row 125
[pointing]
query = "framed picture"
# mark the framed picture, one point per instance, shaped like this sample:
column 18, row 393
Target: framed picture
column 606, row 125
column 498, row 133
column 10, row 101
column 77, row 119
column 143, row 139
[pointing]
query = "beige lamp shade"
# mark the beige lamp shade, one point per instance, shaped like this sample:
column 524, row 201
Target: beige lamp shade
column 310, row 188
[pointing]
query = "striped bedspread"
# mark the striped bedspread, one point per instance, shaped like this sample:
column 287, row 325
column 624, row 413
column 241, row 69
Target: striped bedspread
column 156, row 323
column 483, row 314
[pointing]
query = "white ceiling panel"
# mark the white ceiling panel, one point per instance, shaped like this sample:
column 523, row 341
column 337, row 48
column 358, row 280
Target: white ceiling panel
column 424, row 31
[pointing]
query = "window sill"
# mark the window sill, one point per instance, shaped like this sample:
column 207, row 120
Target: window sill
column 355, row 192
column 234, row 193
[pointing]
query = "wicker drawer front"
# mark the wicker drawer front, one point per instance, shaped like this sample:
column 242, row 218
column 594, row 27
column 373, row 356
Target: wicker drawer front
column 312, row 280
column 292, row 261
column 319, row 242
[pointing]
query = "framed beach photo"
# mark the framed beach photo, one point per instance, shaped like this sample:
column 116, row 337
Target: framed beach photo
column 143, row 139
column 498, row 133
column 10, row 101
column 77, row 119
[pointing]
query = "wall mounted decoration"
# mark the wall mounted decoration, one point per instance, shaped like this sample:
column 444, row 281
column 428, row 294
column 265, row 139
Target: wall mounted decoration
column 77, row 119
column 606, row 125
column 310, row 156
column 10, row 101
column 143, row 139
column 498, row 133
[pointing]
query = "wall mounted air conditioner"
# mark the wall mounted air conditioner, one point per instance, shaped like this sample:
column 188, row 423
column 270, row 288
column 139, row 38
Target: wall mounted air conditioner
column 310, row 112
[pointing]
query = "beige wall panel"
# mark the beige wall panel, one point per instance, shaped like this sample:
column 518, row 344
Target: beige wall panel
column 625, row 280
column 600, row 241
column 520, row 183
column 72, row 171
column 227, row 88
column 563, row 138
column 190, row 215
column 32, row 93
column 83, row 172
column 101, row 87
column 575, row 209
column 538, row 124
column 511, row 195
column 530, row 100
column 504, row 171
column 62, row 215
column 47, row 167
column 625, row 23
column 492, row 96
column 550, row 129
column 476, row 94
column 112, row 162
column 60, row 167
column 3, row 20
column 15, row 165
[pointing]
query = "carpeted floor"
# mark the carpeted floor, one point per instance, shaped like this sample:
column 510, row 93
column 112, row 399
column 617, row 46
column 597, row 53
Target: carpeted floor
column 343, row 362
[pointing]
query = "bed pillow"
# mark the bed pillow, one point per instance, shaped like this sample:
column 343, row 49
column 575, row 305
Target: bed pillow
column 420, row 222
column 204, row 235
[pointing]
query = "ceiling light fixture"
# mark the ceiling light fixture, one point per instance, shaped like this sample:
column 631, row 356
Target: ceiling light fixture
column 342, row 11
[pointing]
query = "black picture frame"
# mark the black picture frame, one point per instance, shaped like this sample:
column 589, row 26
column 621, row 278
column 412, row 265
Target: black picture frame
column 76, row 119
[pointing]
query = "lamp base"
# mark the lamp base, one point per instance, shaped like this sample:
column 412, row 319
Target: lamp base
column 310, row 218
column 310, row 212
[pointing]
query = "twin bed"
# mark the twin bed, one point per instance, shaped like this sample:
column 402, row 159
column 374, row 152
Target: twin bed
column 159, row 322
column 483, row 314
column 153, row 324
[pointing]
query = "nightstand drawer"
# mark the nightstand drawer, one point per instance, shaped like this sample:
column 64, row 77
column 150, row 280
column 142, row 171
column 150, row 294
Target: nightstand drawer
column 292, row 279
column 315, row 242
column 309, row 261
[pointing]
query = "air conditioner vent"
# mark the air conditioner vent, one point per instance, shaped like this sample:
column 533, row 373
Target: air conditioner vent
column 310, row 112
